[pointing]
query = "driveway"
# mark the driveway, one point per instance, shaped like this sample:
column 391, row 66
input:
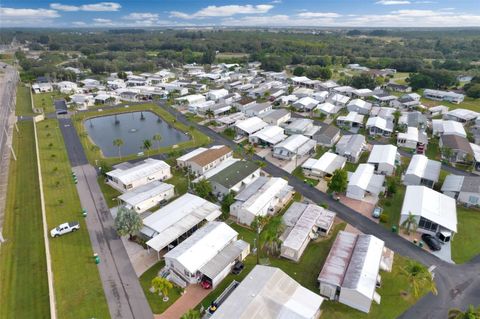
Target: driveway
column 193, row 295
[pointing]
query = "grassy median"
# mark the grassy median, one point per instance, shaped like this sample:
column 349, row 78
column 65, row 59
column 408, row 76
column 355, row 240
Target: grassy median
column 23, row 268
column 24, row 103
column 78, row 289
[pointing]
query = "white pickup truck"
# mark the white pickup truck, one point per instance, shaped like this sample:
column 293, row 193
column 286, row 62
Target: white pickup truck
column 65, row 229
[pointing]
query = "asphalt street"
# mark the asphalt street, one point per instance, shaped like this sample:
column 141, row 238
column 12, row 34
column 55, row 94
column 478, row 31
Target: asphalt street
column 458, row 285
column 8, row 85
column 124, row 294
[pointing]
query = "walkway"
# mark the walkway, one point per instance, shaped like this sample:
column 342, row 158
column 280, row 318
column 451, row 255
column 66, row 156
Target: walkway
column 193, row 295
column 123, row 292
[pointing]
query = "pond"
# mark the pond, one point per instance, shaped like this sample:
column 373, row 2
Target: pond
column 133, row 128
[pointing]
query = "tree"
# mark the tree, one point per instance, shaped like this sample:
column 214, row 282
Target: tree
column 339, row 181
column 203, row 188
column 157, row 138
column 419, row 278
column 118, row 143
column 447, row 153
column 299, row 71
column 410, row 223
column 147, row 145
column 250, row 151
column 127, row 222
column 363, row 81
column 261, row 164
column 270, row 235
column 191, row 314
column 208, row 56
column 470, row 313
column 391, row 186
column 473, row 91
column 209, row 113
column 420, row 81
column 163, row 286
column 227, row 200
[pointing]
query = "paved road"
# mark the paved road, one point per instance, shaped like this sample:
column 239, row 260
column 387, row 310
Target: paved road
column 458, row 285
column 8, row 85
column 124, row 294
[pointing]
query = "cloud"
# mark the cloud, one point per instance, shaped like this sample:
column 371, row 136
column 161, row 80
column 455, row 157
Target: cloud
column 223, row 11
column 99, row 7
column 27, row 17
column 28, row 13
column 102, row 21
column 392, row 2
column 79, row 23
column 319, row 15
column 140, row 16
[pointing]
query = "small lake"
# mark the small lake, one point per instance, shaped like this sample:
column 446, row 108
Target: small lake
column 133, row 128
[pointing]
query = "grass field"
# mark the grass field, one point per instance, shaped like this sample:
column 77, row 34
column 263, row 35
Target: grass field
column 154, row 300
column 394, row 291
column 24, row 104
column 45, row 100
column 465, row 244
column 198, row 138
column 23, row 270
column 78, row 289
column 109, row 192
column 469, row 104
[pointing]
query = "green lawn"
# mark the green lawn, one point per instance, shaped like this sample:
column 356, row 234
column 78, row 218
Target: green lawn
column 392, row 206
column 109, row 192
column 465, row 244
column 24, row 104
column 198, row 138
column 78, row 289
column 179, row 180
column 45, row 100
column 156, row 303
column 352, row 167
column 298, row 173
column 23, row 269
column 433, row 149
column 396, row 297
column 469, row 104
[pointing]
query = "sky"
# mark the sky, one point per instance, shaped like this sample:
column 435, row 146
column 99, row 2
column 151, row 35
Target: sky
column 268, row 13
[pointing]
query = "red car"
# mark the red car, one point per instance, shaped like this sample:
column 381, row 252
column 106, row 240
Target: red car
column 206, row 284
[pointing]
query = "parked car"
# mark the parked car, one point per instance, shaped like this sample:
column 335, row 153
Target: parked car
column 432, row 242
column 377, row 212
column 206, row 284
column 65, row 228
column 237, row 268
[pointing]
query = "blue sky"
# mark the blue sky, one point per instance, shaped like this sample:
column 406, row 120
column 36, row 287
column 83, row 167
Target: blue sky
column 151, row 13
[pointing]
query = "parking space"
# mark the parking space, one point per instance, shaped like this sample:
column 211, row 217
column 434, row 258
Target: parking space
column 364, row 207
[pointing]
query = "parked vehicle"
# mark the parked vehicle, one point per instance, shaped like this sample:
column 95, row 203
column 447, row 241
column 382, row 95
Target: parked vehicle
column 65, row 228
column 237, row 268
column 206, row 284
column 432, row 242
column 377, row 212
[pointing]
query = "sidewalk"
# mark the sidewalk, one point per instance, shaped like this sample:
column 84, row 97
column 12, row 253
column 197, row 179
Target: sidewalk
column 193, row 295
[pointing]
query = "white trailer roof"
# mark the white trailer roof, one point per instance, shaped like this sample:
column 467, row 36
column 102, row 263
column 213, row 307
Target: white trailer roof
column 137, row 171
column 251, row 125
column 271, row 134
column 197, row 250
column 423, row 167
column 432, row 205
column 176, row 218
column 327, row 163
column 295, row 143
column 269, row 293
column 383, row 154
column 145, row 192
column 353, row 262
column 271, row 188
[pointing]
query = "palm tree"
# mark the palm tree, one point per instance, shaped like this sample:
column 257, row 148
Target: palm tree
column 261, row 164
column 118, row 142
column 470, row 313
column 410, row 223
column 157, row 138
column 270, row 236
column 191, row 314
column 163, row 286
column 209, row 113
column 147, row 145
column 419, row 278
column 250, row 151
